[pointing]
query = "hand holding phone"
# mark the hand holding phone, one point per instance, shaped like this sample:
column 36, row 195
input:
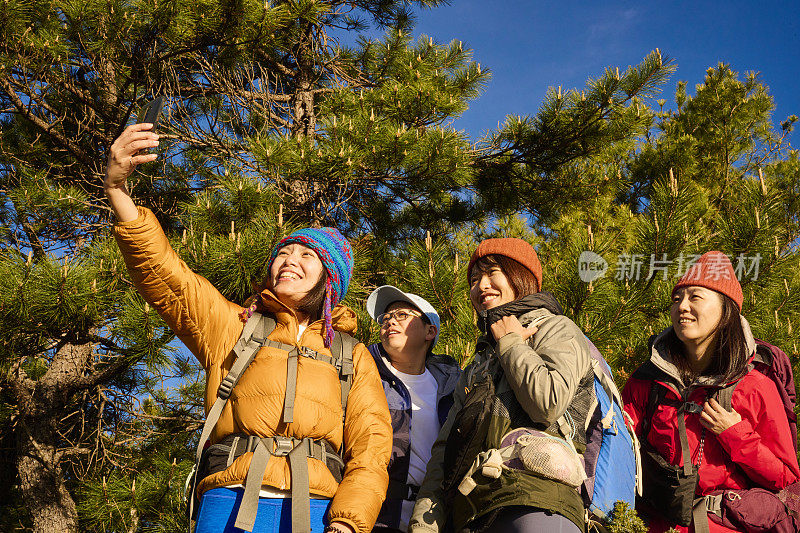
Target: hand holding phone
column 132, row 147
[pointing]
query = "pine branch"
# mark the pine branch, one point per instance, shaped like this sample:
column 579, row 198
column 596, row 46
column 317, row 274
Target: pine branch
column 44, row 127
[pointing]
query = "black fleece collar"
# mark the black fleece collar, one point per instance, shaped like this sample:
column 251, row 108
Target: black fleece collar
column 542, row 299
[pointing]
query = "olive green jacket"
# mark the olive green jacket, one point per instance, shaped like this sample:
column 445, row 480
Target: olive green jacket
column 544, row 374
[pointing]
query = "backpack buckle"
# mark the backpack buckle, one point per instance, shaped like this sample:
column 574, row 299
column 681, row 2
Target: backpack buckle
column 693, row 408
column 307, row 352
column 226, row 387
column 282, row 446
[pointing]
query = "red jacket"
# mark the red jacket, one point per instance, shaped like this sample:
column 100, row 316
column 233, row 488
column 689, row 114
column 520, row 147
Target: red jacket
column 756, row 452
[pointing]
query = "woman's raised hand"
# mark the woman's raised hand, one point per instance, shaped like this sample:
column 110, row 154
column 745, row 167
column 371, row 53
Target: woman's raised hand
column 124, row 154
column 123, row 158
column 717, row 418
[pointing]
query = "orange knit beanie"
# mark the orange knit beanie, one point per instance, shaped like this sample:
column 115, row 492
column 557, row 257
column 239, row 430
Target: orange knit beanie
column 713, row 271
column 516, row 249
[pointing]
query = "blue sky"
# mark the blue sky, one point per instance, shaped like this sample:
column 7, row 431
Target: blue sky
column 530, row 46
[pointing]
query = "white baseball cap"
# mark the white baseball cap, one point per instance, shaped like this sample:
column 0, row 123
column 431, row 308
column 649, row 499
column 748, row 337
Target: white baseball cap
column 384, row 296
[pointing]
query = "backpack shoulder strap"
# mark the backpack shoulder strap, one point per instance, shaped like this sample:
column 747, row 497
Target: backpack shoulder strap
column 253, row 336
column 655, row 397
column 764, row 353
column 776, row 365
column 342, row 351
column 774, row 362
column 725, row 395
column 611, row 390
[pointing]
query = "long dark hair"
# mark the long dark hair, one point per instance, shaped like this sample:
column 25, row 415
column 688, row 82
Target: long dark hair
column 730, row 356
column 520, row 278
column 311, row 304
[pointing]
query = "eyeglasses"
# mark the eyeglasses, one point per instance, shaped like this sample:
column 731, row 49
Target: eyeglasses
column 399, row 315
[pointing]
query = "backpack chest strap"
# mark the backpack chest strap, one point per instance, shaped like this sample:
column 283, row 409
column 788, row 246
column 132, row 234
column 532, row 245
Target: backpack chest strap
column 294, row 353
column 304, row 352
column 657, row 396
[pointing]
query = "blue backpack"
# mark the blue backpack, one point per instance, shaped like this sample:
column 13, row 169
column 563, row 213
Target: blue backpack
column 612, row 460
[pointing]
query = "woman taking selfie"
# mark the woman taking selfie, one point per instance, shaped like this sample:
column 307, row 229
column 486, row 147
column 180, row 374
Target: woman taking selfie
column 677, row 402
column 528, row 369
column 290, row 397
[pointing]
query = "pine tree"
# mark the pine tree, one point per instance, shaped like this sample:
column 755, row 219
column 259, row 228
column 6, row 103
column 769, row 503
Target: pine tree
column 713, row 174
column 80, row 348
column 271, row 123
column 625, row 520
column 533, row 163
column 75, row 336
column 374, row 155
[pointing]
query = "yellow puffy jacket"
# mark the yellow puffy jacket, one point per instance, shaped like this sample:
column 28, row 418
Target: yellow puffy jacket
column 209, row 326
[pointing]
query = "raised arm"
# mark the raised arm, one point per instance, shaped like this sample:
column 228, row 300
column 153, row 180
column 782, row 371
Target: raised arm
column 190, row 305
column 125, row 155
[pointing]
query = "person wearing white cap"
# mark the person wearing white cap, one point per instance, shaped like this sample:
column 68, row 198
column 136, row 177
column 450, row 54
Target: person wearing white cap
column 419, row 390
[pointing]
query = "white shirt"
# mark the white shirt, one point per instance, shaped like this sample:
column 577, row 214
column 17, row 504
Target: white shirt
column 423, row 430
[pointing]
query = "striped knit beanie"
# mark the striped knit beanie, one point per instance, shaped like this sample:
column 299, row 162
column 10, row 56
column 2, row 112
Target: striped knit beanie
column 713, row 271
column 337, row 258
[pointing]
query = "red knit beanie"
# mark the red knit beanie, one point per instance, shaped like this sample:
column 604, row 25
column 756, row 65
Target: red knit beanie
column 516, row 249
column 713, row 271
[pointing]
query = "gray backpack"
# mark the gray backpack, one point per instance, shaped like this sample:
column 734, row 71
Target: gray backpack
column 219, row 456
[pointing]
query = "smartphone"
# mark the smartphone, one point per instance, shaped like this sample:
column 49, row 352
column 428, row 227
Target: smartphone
column 153, row 112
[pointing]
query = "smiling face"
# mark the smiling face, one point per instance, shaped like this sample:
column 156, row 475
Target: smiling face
column 411, row 335
column 294, row 273
column 696, row 313
column 490, row 288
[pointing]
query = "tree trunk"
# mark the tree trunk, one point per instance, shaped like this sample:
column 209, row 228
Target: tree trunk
column 41, row 478
column 305, row 119
column 305, row 116
column 41, row 405
column 304, row 189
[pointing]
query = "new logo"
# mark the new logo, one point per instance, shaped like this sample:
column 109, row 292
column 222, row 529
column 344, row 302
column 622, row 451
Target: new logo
column 591, row 266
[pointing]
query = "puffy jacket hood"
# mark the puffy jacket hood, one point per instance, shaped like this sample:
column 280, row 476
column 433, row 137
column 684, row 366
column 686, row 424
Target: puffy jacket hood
column 519, row 307
column 661, row 358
